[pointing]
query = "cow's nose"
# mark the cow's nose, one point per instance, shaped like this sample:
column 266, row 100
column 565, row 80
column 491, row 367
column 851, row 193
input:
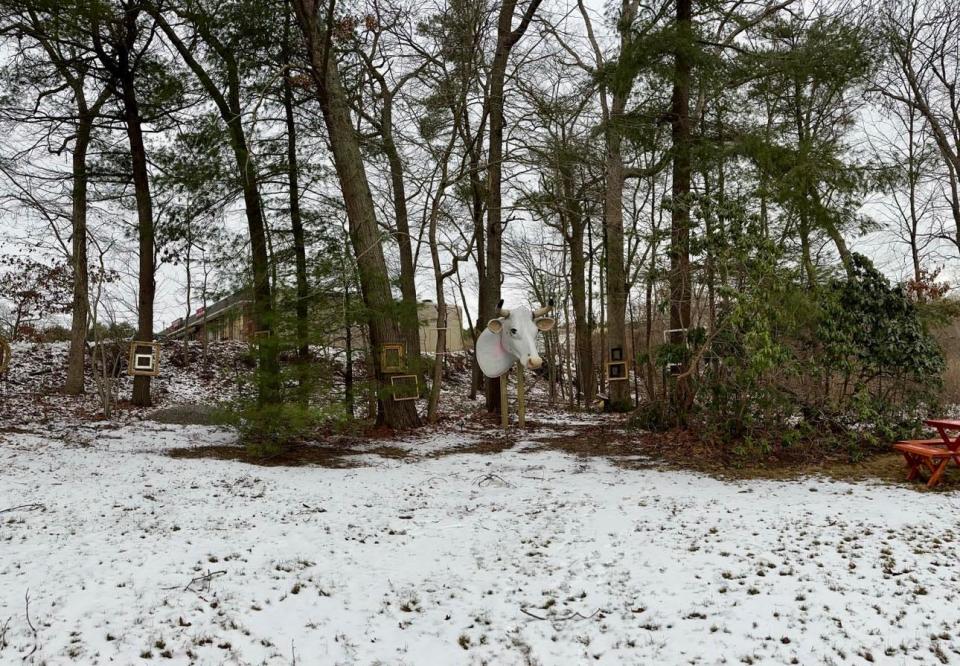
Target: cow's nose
column 534, row 362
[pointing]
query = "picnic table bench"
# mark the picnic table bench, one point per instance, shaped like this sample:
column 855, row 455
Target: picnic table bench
column 933, row 454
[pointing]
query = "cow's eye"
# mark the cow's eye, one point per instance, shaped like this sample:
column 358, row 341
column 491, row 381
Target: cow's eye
column 513, row 331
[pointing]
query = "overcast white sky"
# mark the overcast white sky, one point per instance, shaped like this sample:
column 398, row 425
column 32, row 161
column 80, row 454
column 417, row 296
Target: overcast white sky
column 23, row 231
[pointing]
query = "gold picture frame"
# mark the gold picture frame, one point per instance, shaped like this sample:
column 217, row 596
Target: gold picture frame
column 393, row 357
column 616, row 371
column 405, row 383
column 144, row 359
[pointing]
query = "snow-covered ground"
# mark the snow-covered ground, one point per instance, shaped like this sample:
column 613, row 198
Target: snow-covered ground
column 522, row 556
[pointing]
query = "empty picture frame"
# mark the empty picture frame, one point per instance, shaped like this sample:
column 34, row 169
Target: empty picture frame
column 404, row 387
column 144, row 359
column 668, row 333
column 616, row 354
column 616, row 371
column 5, row 354
column 393, row 357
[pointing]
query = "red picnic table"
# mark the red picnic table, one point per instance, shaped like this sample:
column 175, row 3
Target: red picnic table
column 934, row 454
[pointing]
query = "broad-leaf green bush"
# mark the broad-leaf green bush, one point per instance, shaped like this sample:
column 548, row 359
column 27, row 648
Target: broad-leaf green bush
column 846, row 365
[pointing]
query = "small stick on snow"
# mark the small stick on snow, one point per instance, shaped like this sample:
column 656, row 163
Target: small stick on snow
column 3, row 633
column 36, row 644
column 26, row 507
column 206, row 578
column 576, row 615
column 490, row 478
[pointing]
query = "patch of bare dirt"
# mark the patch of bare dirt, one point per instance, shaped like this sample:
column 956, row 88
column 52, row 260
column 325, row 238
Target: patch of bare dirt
column 682, row 449
column 336, row 452
column 295, row 455
column 627, row 448
column 482, row 447
column 588, row 441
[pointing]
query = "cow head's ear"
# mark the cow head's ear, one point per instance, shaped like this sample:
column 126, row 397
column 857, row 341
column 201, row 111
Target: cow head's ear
column 545, row 323
column 495, row 325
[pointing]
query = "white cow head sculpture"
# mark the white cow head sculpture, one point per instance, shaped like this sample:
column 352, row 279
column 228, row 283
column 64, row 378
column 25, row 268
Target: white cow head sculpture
column 510, row 338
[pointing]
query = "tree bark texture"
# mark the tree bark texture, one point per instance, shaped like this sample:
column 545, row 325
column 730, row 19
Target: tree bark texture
column 361, row 215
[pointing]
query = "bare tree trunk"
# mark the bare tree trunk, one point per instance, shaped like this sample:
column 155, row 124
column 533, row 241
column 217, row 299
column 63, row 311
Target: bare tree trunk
column 102, row 376
column 122, row 31
column 141, row 185
column 268, row 389
column 616, row 283
column 616, row 278
column 186, row 329
column 348, row 399
column 439, row 275
column 680, row 274
column 361, row 214
column 633, row 355
column 603, row 327
column 441, row 350
column 913, row 179
column 648, row 331
column 589, row 313
column 81, row 279
column 408, row 314
column 491, row 280
column 648, row 305
column 578, row 289
column 507, row 37
column 476, row 188
column 710, row 224
column 204, row 336
column 805, row 255
column 296, row 229
column 573, row 211
column 550, row 353
column 572, row 396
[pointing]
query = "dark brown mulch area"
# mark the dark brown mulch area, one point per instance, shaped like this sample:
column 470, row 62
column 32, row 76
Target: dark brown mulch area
column 589, row 441
column 335, row 453
column 883, row 467
column 13, row 430
column 483, row 447
column 676, row 449
column 682, row 449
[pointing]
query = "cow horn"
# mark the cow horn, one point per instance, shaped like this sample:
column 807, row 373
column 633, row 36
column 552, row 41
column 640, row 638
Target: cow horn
column 539, row 312
column 502, row 310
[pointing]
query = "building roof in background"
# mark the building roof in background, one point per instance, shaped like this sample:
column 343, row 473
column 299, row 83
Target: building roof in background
column 213, row 311
column 240, row 298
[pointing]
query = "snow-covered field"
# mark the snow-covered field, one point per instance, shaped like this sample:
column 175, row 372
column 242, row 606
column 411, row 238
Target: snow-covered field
column 523, row 556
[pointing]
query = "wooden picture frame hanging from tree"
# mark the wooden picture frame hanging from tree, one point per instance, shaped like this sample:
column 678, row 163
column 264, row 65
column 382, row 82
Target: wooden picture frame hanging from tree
column 393, row 357
column 405, row 387
column 675, row 368
column 144, row 359
column 616, row 371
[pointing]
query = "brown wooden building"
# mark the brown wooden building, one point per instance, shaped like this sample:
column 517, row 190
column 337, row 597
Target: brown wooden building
column 231, row 319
